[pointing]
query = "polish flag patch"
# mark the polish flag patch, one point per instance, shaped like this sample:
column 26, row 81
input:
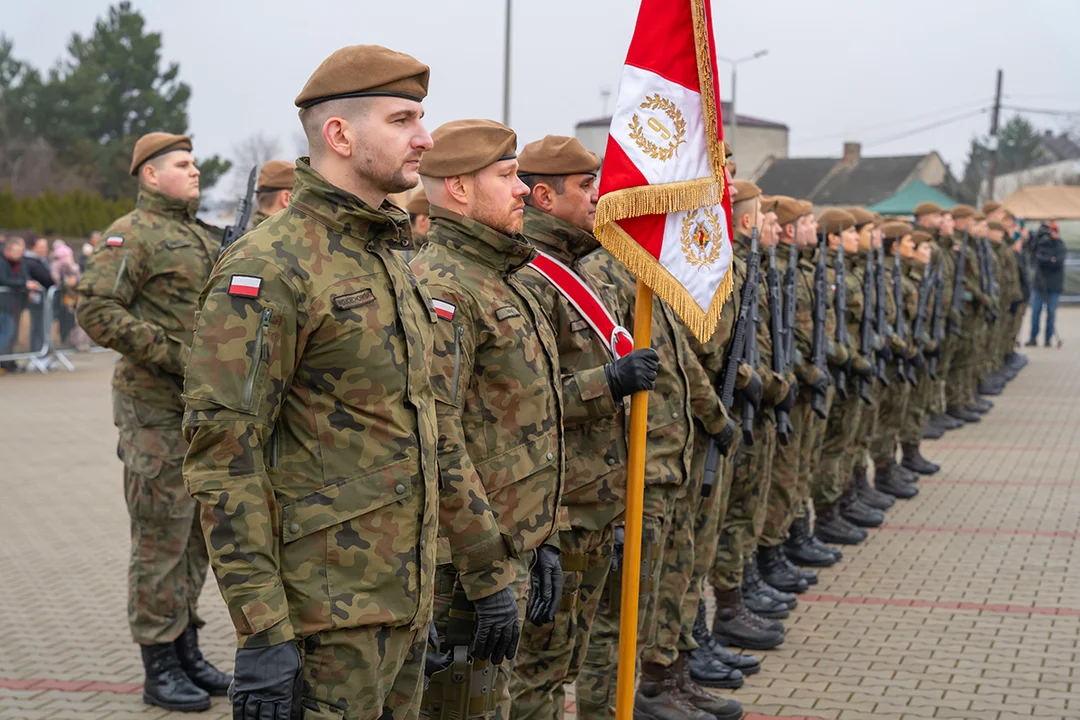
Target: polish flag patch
column 444, row 309
column 114, row 241
column 245, row 286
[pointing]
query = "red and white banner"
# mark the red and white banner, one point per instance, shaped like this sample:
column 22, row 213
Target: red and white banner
column 664, row 206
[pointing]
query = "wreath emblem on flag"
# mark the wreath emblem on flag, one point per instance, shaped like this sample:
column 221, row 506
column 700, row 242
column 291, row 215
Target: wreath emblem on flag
column 698, row 235
column 675, row 136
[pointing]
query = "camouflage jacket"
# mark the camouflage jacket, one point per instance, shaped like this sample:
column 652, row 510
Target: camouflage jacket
column 495, row 371
column 1008, row 274
column 776, row 386
column 855, row 269
column 945, row 251
column 915, row 271
column 593, row 424
column 972, row 284
column 258, row 217
column 311, row 422
column 804, row 313
column 910, row 293
column 139, row 292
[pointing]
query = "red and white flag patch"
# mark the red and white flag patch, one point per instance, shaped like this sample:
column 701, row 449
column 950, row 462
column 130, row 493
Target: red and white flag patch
column 245, row 286
column 444, row 309
column 114, row 241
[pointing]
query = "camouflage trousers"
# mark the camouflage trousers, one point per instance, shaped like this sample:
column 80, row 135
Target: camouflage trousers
column 597, row 680
column 891, row 411
column 446, row 582
column 834, row 469
column 939, row 395
column 965, row 372
column 918, row 407
column 785, row 494
column 745, row 518
column 810, row 480
column 364, row 673
column 860, row 446
column 550, row 656
column 169, row 561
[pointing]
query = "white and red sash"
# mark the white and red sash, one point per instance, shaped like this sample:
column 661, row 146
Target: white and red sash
column 617, row 339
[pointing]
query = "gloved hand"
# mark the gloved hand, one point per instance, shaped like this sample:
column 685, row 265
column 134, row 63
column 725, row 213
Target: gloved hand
column 862, row 367
column 836, row 354
column 822, row 383
column 789, row 400
column 434, row 661
column 725, row 437
column 267, row 683
column 546, row 586
column 633, row 373
column 617, row 548
column 753, row 390
column 497, row 628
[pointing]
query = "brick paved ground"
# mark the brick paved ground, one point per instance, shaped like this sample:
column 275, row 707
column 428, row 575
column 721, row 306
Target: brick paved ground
column 963, row 606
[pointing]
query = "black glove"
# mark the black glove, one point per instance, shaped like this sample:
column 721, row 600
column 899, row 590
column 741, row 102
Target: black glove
column 267, row 683
column 725, row 437
column 617, row 549
column 789, row 400
column 546, row 581
column 753, row 391
column 497, row 628
column 1014, row 306
column 633, row 373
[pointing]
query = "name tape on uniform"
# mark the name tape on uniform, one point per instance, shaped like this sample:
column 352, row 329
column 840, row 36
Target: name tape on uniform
column 444, row 309
column 245, row 286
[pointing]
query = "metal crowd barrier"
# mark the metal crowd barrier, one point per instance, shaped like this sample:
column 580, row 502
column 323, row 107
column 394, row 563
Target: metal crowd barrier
column 39, row 331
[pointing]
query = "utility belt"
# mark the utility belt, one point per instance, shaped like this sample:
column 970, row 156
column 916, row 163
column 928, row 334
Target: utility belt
column 458, row 687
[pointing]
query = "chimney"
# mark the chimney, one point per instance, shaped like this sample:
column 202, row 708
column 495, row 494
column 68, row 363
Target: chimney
column 852, row 153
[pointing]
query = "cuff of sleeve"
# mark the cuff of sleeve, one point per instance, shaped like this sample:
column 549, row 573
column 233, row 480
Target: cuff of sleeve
column 595, row 392
column 264, row 621
column 743, row 375
column 486, row 581
column 480, row 556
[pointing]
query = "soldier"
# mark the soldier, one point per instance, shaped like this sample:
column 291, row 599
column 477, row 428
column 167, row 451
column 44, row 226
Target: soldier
column 138, row 297
column 944, row 257
column 986, row 320
column 273, row 190
column 419, row 210
column 558, row 221
column 957, row 399
column 311, row 416
column 495, row 372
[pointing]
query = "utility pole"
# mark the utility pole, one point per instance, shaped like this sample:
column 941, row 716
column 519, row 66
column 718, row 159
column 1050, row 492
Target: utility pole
column 506, row 71
column 734, row 69
column 994, row 138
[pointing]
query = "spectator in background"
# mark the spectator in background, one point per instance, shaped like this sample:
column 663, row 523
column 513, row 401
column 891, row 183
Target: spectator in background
column 1049, row 254
column 37, row 269
column 66, row 274
column 87, row 249
column 13, row 277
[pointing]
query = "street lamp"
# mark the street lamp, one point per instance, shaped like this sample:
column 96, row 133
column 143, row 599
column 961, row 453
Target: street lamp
column 734, row 67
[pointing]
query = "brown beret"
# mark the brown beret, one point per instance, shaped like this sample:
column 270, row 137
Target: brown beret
column 746, row 190
column 153, row 144
column 788, row 210
column 979, row 217
column 927, row 208
column 921, row 236
column 728, row 150
column 862, row 216
column 276, row 175
column 995, row 225
column 834, row 221
column 895, row 229
column 877, row 217
column 365, row 71
column 465, row 146
column 991, row 207
column 557, row 155
column 805, row 207
column 962, row 211
column 418, row 204
column 768, row 203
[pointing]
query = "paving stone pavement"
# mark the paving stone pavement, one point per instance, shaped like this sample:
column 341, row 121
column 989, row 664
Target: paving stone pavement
column 966, row 605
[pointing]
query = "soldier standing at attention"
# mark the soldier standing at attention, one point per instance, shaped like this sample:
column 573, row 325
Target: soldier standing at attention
column 311, row 416
column 273, row 190
column 495, row 373
column 419, row 210
column 138, row 297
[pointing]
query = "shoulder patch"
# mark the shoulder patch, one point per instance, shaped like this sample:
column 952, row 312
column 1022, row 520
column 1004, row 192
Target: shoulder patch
column 245, row 286
column 506, row 312
column 444, row 309
column 114, row 241
column 351, row 300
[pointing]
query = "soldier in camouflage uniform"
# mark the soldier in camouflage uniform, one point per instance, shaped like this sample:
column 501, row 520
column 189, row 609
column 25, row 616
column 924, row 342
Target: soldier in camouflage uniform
column 975, row 304
column 558, row 221
column 1009, row 300
column 498, row 390
column 944, row 257
column 273, row 189
column 312, row 420
column 138, row 297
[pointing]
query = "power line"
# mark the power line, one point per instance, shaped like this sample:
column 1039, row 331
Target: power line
column 891, row 123
column 931, row 126
column 1041, row 111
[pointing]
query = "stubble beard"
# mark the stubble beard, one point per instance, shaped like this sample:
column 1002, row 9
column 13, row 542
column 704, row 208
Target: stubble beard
column 387, row 175
column 504, row 220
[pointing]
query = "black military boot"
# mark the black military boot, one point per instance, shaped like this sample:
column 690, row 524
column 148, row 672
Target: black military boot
column 778, row 571
column 658, row 696
column 756, row 595
column 858, row 513
column 962, row 413
column 801, row 551
column 932, row 431
column 718, row 707
column 198, row 668
column 982, row 406
column 887, row 481
column 707, row 670
column 166, row 685
column 832, row 528
column 947, row 421
column 707, row 644
column 734, row 624
column 991, row 386
column 867, row 494
column 905, row 475
column 915, row 462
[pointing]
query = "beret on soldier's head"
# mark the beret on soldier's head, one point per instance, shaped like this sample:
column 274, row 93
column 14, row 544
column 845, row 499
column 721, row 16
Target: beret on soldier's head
column 365, row 71
column 991, row 207
column 834, row 221
column 276, row 175
column 745, row 190
column 995, row 225
column 465, row 146
column 768, row 203
column 154, row 144
column 418, row 204
column 927, row 208
column 920, row 237
column 979, row 217
column 788, row 210
column 895, row 229
column 728, row 150
column 960, row 212
column 805, row 207
column 862, row 216
column 557, row 155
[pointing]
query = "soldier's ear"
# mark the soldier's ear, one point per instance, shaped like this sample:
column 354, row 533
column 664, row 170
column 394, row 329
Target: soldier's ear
column 459, row 187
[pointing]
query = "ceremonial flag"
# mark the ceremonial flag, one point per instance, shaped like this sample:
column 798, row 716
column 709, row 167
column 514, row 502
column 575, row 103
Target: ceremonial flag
column 664, row 207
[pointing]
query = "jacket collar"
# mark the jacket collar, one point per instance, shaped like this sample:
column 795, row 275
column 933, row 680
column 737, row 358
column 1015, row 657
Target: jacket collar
column 556, row 237
column 475, row 240
column 168, row 206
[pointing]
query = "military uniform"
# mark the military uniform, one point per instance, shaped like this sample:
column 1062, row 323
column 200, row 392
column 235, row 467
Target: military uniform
column 920, row 394
column 1009, row 301
column 138, row 296
column 892, row 408
column 963, row 373
column 945, row 258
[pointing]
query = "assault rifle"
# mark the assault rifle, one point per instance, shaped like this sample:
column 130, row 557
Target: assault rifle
column 867, row 342
column 918, row 332
column 777, row 331
column 990, row 281
column 958, row 288
column 843, row 338
column 790, row 278
column 898, row 298
column 882, row 326
column 243, row 215
column 819, row 347
column 937, row 326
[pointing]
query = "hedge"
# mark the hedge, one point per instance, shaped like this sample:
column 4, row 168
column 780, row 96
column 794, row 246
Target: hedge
column 75, row 213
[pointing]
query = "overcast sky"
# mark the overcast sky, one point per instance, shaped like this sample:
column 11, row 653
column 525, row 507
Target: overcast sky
column 865, row 70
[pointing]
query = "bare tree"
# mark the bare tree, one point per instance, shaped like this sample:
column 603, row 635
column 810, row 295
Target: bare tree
column 252, row 152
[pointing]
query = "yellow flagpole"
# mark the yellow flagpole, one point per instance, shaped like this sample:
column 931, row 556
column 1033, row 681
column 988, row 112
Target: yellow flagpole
column 635, row 498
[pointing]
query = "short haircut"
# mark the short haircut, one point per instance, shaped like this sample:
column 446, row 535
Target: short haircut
column 555, row 182
column 745, row 207
column 313, row 118
column 267, row 198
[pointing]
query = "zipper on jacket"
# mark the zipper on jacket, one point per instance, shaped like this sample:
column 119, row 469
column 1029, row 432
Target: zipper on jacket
column 121, row 271
column 262, row 350
column 458, row 332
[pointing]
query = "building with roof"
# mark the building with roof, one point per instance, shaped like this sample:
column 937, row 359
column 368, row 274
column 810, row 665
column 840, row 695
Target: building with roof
column 759, row 140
